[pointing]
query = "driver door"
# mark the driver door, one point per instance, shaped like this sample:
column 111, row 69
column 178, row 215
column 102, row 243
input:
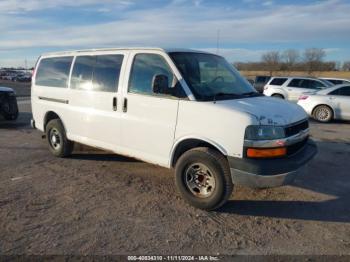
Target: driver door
column 149, row 119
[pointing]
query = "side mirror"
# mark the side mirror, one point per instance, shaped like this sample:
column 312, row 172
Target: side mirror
column 160, row 84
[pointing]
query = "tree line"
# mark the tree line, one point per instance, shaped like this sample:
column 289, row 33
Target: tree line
column 310, row 60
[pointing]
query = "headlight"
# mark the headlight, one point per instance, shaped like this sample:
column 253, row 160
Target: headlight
column 264, row 132
column 12, row 94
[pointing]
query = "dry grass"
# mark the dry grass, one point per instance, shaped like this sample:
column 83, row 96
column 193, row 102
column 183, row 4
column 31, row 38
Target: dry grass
column 335, row 74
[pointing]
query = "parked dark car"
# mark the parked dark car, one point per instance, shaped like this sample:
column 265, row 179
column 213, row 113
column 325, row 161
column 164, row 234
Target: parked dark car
column 8, row 103
column 260, row 82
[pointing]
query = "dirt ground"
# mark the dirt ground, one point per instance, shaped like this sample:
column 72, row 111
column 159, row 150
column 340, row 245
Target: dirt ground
column 104, row 204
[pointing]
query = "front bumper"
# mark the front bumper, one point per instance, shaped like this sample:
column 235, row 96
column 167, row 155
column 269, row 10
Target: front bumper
column 264, row 173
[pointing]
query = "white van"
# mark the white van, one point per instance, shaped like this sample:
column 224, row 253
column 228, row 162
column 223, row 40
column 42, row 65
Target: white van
column 181, row 109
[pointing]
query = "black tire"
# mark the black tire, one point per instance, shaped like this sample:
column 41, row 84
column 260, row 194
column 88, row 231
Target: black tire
column 219, row 170
column 10, row 110
column 57, row 140
column 11, row 117
column 278, row 96
column 323, row 114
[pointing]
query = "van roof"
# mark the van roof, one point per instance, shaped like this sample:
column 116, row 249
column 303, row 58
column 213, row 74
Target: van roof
column 166, row 50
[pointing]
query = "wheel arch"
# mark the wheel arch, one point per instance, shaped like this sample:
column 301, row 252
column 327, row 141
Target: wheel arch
column 187, row 143
column 278, row 94
column 51, row 115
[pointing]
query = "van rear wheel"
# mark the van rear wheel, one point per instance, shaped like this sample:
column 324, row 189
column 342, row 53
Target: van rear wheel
column 57, row 140
column 202, row 176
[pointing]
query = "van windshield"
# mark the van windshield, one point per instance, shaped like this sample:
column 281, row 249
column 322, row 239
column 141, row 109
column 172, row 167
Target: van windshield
column 211, row 77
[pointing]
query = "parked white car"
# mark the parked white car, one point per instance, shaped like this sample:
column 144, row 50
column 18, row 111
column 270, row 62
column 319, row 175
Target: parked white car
column 180, row 109
column 291, row 88
column 337, row 81
column 328, row 104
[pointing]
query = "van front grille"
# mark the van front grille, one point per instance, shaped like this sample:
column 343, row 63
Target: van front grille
column 296, row 128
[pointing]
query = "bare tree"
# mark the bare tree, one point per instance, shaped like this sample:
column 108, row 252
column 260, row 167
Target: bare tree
column 271, row 61
column 346, row 66
column 313, row 58
column 291, row 58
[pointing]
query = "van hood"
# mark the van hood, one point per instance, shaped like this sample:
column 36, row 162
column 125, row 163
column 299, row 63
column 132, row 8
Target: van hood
column 5, row 89
column 267, row 110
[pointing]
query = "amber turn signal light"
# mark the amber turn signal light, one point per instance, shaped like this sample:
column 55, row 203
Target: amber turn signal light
column 266, row 152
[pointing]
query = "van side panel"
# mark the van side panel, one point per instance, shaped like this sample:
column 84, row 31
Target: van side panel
column 51, row 99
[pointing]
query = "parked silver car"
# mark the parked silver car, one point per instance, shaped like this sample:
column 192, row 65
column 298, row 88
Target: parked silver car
column 291, row 88
column 336, row 81
column 327, row 104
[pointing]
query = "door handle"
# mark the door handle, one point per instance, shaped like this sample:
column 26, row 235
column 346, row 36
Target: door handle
column 115, row 103
column 125, row 105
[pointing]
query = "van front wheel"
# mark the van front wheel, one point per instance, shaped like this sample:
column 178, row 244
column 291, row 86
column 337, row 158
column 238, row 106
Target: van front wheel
column 202, row 176
column 57, row 140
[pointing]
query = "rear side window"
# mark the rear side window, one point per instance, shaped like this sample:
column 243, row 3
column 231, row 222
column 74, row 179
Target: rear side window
column 54, row 72
column 106, row 72
column 82, row 72
column 278, row 81
column 97, row 73
column 311, row 84
column 315, row 84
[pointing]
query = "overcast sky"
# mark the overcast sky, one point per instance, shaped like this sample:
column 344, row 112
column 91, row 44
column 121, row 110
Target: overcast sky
column 247, row 27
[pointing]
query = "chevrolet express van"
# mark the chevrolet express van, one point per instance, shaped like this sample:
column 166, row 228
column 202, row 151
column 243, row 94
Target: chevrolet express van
column 182, row 109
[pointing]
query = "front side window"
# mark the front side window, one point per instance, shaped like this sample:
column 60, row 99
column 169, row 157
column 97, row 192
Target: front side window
column 211, row 77
column 343, row 91
column 82, row 72
column 54, row 72
column 144, row 68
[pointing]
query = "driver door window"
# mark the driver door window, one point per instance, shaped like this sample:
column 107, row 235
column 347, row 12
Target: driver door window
column 144, row 68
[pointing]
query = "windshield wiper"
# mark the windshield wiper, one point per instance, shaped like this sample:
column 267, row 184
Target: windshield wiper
column 252, row 93
column 221, row 94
